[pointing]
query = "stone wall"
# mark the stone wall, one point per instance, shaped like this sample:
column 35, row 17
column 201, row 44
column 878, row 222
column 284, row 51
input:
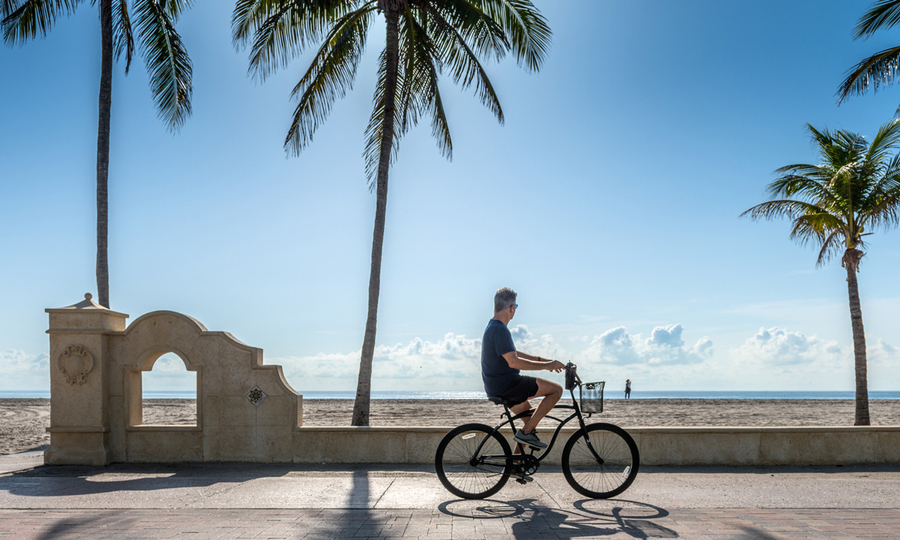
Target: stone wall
column 246, row 411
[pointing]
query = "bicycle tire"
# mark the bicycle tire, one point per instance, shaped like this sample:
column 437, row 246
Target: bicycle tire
column 609, row 476
column 462, row 472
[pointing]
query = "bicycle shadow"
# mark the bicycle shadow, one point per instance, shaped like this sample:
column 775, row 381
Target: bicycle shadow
column 525, row 518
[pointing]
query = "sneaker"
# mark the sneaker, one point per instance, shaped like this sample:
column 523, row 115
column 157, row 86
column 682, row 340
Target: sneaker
column 530, row 439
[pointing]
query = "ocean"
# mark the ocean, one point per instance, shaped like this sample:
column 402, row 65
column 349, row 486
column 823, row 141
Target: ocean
column 419, row 394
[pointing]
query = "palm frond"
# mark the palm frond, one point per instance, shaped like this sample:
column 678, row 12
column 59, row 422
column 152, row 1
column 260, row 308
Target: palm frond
column 176, row 7
column 887, row 139
column 123, row 38
column 375, row 131
column 483, row 34
column 876, row 71
column 782, row 208
column 882, row 14
column 420, row 91
column 465, row 68
column 886, row 213
column 329, row 77
column 527, row 29
column 167, row 60
column 32, row 17
column 282, row 29
column 7, row 7
column 830, row 247
column 804, row 232
column 882, row 203
column 812, row 187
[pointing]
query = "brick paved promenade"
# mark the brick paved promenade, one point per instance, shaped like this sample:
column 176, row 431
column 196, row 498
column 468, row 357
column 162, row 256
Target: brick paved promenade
column 284, row 501
column 496, row 520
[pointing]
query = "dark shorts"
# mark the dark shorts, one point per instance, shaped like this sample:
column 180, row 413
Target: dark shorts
column 521, row 388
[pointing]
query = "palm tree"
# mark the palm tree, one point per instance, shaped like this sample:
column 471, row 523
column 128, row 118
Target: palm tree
column 881, row 68
column 855, row 188
column 424, row 38
column 166, row 59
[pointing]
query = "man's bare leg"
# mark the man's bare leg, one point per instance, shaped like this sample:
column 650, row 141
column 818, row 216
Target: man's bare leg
column 551, row 393
column 516, row 410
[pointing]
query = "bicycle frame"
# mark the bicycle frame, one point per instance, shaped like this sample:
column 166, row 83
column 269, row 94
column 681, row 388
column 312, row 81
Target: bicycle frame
column 510, row 419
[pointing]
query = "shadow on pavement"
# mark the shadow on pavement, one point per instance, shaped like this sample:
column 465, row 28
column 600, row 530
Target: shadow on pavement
column 588, row 518
column 85, row 480
column 753, row 533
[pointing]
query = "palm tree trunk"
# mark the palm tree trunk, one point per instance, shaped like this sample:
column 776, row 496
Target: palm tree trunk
column 364, row 384
column 851, row 263
column 106, row 63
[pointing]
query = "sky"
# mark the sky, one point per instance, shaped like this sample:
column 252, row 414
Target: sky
column 609, row 200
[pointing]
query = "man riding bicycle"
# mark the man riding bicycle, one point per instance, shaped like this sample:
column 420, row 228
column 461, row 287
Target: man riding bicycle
column 501, row 364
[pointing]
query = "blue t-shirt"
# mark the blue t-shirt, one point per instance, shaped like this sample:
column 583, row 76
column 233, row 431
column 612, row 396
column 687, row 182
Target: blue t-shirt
column 495, row 371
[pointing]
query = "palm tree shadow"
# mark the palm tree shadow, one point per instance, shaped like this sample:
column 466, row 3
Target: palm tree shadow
column 356, row 519
column 75, row 527
column 753, row 533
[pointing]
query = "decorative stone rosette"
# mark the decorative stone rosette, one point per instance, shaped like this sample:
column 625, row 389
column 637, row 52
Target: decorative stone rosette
column 256, row 395
column 75, row 363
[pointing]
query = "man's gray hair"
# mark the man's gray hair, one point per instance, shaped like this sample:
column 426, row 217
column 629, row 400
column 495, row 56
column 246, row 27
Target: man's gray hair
column 504, row 298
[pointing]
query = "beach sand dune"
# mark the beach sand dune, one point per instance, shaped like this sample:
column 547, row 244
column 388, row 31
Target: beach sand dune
column 23, row 422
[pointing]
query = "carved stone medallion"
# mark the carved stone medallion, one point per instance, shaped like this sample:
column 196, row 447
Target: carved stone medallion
column 75, row 363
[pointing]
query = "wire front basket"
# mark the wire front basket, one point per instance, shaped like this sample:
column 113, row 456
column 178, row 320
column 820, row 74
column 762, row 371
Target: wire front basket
column 591, row 395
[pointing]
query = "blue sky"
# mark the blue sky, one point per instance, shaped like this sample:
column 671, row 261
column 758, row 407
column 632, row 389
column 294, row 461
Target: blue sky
column 609, row 200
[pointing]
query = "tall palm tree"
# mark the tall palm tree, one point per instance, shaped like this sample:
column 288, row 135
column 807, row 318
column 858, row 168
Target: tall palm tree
column 424, row 38
column 881, row 68
column 166, row 59
column 856, row 188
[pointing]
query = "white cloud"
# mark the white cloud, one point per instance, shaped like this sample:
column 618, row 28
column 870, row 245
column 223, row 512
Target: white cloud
column 664, row 346
column 544, row 345
column 169, row 363
column 22, row 371
column 18, row 361
column 777, row 347
column 883, row 353
column 884, row 365
column 452, row 362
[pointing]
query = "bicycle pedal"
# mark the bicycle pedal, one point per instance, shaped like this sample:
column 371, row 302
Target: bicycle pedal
column 524, row 480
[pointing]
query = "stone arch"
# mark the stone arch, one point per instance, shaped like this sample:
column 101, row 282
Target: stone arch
column 246, row 410
column 147, row 339
column 135, row 381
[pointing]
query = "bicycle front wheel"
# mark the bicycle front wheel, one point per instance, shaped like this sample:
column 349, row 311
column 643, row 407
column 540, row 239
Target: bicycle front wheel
column 600, row 461
column 473, row 461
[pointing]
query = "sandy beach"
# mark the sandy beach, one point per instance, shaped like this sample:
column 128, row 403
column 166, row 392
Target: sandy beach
column 23, row 422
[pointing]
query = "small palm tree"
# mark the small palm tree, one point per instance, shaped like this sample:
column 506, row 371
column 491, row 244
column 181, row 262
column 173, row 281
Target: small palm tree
column 424, row 38
column 856, row 188
column 164, row 54
column 881, row 68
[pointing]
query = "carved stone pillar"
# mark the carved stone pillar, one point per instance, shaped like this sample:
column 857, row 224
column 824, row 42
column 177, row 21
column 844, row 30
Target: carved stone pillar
column 79, row 375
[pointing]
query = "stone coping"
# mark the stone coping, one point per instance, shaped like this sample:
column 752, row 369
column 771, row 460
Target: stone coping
column 655, row 429
column 694, row 445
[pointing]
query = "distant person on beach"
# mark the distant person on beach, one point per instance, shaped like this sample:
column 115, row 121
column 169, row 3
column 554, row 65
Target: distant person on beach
column 500, row 366
column 627, row 388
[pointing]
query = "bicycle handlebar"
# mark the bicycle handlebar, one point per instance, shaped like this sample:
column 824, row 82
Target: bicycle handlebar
column 572, row 378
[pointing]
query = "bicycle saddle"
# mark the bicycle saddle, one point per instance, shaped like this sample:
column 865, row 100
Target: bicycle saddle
column 501, row 401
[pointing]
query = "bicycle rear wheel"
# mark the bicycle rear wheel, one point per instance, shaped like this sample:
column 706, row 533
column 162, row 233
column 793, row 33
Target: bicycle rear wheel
column 600, row 461
column 473, row 461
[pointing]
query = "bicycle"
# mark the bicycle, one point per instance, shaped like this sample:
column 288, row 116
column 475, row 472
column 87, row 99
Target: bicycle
column 474, row 461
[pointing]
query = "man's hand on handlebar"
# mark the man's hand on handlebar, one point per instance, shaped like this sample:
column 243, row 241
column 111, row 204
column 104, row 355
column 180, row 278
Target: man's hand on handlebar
column 555, row 366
